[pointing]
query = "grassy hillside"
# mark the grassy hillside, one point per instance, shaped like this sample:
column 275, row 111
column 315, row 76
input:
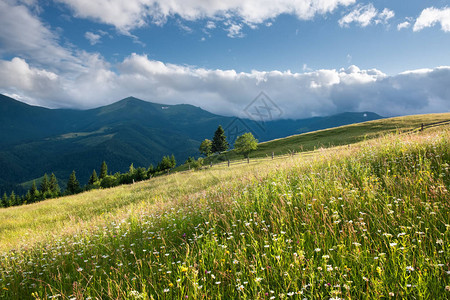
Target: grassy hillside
column 369, row 221
column 343, row 135
column 36, row 140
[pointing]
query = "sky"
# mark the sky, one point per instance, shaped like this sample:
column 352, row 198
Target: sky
column 310, row 57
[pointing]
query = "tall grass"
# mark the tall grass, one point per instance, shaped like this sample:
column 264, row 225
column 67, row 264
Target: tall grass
column 366, row 222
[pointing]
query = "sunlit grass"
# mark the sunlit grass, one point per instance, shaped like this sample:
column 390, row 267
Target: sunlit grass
column 362, row 222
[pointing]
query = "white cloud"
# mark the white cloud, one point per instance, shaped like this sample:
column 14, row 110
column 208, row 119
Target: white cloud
column 431, row 16
column 93, row 38
column 403, row 25
column 227, row 92
column 131, row 14
column 385, row 16
column 22, row 32
column 210, row 25
column 234, row 30
column 364, row 15
column 17, row 77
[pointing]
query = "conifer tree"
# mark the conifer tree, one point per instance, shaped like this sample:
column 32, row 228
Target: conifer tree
column 219, row 142
column 4, row 202
column 103, row 170
column 45, row 185
column 12, row 199
column 34, row 193
column 73, row 186
column 27, row 198
column 173, row 162
column 93, row 179
column 150, row 171
column 54, row 186
column 131, row 169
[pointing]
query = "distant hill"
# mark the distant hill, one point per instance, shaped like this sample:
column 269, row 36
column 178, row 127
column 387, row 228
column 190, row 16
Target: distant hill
column 35, row 140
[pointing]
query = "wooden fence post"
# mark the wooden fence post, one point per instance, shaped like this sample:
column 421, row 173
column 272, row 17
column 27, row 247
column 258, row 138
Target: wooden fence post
column 421, row 128
column 228, row 163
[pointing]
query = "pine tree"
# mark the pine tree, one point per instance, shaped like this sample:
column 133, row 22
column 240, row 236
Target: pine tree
column 173, row 162
column 54, row 186
column 27, row 198
column 219, row 142
column 44, row 188
column 73, row 186
column 103, row 170
column 93, row 179
column 34, row 193
column 4, row 202
column 131, row 169
column 12, row 199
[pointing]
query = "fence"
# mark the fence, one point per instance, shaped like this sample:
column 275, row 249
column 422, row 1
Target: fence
column 293, row 153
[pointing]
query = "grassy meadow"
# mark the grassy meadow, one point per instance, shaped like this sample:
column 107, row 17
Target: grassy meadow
column 331, row 137
column 369, row 221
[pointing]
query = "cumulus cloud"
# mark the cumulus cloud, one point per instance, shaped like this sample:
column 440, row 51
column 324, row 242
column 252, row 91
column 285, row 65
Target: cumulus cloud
column 19, row 78
column 22, row 32
column 131, row 14
column 364, row 15
column 227, row 92
column 431, row 16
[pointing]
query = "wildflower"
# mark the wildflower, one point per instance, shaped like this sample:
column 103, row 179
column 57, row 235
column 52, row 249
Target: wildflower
column 409, row 268
column 258, row 279
column 365, row 278
column 439, row 242
column 80, row 269
column 166, row 290
column 171, row 284
column 317, row 249
column 391, row 294
column 392, row 244
column 217, row 282
column 184, row 269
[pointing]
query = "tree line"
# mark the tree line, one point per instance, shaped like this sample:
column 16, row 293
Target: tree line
column 49, row 187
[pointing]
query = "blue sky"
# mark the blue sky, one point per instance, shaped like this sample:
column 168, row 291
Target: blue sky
column 311, row 57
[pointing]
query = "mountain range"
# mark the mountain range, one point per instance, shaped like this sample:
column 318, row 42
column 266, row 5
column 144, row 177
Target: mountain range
column 36, row 140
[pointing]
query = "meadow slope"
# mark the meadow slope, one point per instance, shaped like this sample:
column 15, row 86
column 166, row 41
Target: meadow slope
column 343, row 135
column 370, row 221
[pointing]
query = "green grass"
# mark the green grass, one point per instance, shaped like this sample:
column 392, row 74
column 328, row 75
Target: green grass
column 343, row 135
column 366, row 222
